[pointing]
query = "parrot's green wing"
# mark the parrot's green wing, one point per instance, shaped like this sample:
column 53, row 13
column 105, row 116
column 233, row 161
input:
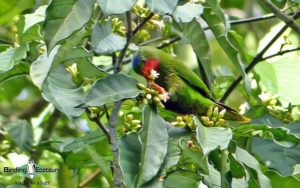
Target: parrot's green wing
column 191, row 78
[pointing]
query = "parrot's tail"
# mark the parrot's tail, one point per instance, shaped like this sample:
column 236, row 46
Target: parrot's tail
column 232, row 114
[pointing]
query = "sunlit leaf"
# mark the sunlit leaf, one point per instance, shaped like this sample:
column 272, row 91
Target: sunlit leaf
column 8, row 57
column 211, row 138
column 281, row 78
column 109, row 7
column 11, row 8
column 154, row 139
column 63, row 17
column 186, row 12
column 162, row 6
column 34, row 18
column 279, row 181
column 21, row 133
column 130, row 151
column 112, row 88
column 104, row 41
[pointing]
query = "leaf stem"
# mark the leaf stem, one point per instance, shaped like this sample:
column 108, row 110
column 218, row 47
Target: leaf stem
column 258, row 58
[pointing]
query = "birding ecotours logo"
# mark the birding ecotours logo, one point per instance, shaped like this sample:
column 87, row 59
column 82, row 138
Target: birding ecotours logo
column 30, row 170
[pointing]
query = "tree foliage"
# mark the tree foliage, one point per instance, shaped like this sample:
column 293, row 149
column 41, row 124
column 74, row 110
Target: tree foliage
column 70, row 99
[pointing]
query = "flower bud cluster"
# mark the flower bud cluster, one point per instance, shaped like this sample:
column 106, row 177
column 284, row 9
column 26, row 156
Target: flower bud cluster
column 130, row 124
column 182, row 121
column 118, row 27
column 214, row 117
column 275, row 109
column 151, row 96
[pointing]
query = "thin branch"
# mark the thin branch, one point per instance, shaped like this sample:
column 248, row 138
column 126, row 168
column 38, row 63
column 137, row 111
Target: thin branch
column 96, row 119
column 280, row 53
column 34, row 109
column 288, row 20
column 258, row 58
column 140, row 25
column 90, row 178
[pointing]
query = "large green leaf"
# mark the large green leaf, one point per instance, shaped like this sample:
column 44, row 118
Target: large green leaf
column 104, row 41
column 211, row 138
column 173, row 155
column 162, row 6
column 112, row 88
column 39, row 68
column 196, row 36
column 130, row 156
column 60, row 90
column 281, row 78
column 154, row 138
column 186, row 12
column 21, row 133
column 18, row 70
column 11, row 8
column 230, row 44
column 109, row 7
column 244, row 157
column 277, row 157
column 63, row 17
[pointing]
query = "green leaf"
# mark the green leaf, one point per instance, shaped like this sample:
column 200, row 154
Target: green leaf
column 60, row 90
column 162, row 6
column 213, row 179
column 296, row 1
column 186, row 12
column 281, row 78
column 34, row 18
column 211, row 138
column 109, row 7
column 130, row 156
column 18, row 70
column 21, row 133
column 63, row 17
column 112, row 88
column 173, row 155
column 8, row 57
column 196, row 36
column 182, row 179
column 154, row 138
column 104, row 41
column 244, row 157
column 103, row 165
column 90, row 138
column 280, row 135
column 276, row 156
column 87, row 70
column 229, row 44
column 40, row 68
column 11, row 8
column 7, row 60
column 281, row 181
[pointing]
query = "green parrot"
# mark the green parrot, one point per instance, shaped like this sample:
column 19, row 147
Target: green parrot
column 184, row 92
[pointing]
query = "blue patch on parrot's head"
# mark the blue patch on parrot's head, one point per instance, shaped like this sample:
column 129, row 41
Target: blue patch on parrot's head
column 137, row 63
